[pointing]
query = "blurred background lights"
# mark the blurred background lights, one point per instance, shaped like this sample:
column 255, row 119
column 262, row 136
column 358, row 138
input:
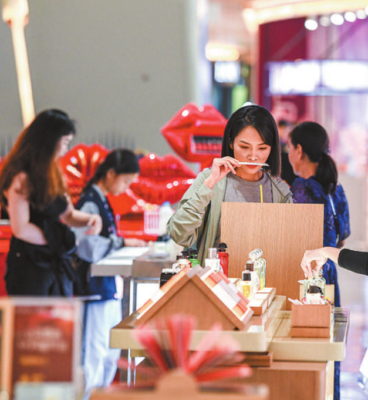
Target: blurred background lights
column 325, row 20
column 337, row 19
column 361, row 14
column 311, row 24
column 350, row 16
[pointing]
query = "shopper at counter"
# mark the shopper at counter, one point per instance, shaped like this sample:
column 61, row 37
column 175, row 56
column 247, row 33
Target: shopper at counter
column 250, row 136
column 114, row 176
column 34, row 193
column 318, row 183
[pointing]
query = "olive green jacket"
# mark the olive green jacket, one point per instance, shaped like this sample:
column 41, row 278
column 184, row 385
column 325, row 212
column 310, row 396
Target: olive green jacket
column 198, row 215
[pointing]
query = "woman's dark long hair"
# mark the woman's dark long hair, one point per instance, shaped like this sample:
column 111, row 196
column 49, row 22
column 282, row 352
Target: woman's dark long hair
column 121, row 161
column 315, row 143
column 260, row 119
column 35, row 154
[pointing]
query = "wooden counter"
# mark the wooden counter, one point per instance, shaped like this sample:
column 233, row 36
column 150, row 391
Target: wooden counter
column 256, row 336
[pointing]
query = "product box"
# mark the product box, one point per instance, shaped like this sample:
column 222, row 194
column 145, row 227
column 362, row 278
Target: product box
column 311, row 320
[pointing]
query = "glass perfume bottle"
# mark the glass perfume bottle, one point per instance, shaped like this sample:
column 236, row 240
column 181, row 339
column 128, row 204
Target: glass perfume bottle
column 193, row 257
column 259, row 266
column 313, row 295
column 212, row 261
column 316, row 280
column 246, row 284
column 183, row 260
column 249, row 266
column 223, row 257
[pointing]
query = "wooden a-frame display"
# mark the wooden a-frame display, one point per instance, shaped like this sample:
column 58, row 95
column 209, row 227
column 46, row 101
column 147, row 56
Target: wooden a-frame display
column 187, row 293
column 282, row 231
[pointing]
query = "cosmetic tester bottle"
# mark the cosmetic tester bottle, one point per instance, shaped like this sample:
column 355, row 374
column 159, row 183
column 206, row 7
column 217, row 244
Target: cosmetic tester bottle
column 321, row 281
column 193, row 257
column 184, row 260
column 223, row 257
column 212, row 261
column 249, row 266
column 175, row 266
column 246, row 284
column 316, row 280
column 259, row 266
column 166, row 274
column 313, row 295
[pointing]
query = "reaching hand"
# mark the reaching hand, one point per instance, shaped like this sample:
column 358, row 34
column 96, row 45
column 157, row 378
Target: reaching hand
column 95, row 224
column 220, row 168
column 313, row 255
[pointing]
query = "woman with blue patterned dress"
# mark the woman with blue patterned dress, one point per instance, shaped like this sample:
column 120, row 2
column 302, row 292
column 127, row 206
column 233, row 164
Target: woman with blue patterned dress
column 317, row 184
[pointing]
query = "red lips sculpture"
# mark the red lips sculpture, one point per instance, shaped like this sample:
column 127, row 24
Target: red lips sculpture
column 161, row 178
column 195, row 133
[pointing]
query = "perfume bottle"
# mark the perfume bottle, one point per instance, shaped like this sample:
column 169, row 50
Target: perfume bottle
column 316, row 280
column 166, row 274
column 184, row 261
column 246, row 284
column 313, row 295
column 212, row 261
column 249, row 266
column 259, row 266
column 193, row 257
column 223, row 257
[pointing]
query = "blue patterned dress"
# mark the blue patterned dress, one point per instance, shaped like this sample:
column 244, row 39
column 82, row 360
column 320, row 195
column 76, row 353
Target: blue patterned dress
column 311, row 191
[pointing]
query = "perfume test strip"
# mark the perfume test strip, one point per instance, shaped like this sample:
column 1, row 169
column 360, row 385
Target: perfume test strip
column 253, row 163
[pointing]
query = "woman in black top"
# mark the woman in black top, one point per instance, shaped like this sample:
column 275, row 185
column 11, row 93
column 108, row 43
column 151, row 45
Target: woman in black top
column 355, row 261
column 33, row 191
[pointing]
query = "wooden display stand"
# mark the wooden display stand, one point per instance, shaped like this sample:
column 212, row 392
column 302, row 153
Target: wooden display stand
column 179, row 386
column 262, row 300
column 294, row 380
column 283, row 232
column 310, row 320
column 192, row 292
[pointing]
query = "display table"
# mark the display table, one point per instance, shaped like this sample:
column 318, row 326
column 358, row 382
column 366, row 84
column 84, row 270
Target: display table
column 256, row 336
column 269, row 332
column 302, row 367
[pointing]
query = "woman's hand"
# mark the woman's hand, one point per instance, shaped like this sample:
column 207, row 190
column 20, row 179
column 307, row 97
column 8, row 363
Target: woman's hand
column 220, row 168
column 95, row 224
column 132, row 242
column 320, row 256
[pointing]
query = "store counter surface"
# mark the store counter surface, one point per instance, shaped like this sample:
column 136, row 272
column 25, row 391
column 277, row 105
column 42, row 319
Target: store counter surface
column 256, row 336
column 269, row 332
column 285, row 347
column 135, row 262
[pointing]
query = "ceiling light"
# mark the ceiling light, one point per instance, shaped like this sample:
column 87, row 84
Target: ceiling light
column 350, row 16
column 311, row 24
column 325, row 20
column 361, row 14
column 337, row 19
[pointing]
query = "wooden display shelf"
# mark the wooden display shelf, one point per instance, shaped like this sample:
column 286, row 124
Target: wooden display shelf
column 255, row 337
column 294, row 380
column 286, row 347
column 281, row 231
column 311, row 320
column 202, row 293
